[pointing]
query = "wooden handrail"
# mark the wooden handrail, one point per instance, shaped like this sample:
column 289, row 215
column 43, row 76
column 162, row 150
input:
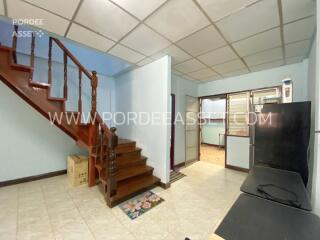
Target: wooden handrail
column 72, row 57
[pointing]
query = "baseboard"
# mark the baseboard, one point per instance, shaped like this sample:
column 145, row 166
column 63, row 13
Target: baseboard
column 237, row 168
column 165, row 185
column 213, row 145
column 32, row 178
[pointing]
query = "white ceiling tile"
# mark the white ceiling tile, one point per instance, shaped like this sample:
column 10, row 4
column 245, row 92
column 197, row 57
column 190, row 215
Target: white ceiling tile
column 144, row 62
column 203, row 74
column 210, row 79
column 189, row 78
column 146, row 41
column 258, row 17
column 264, row 57
column 51, row 23
column 202, row 41
column 267, row 66
column 218, row 56
column 217, row 9
column 267, row 40
column 297, row 49
column 106, row 18
column 177, row 19
column 189, row 66
column 229, row 66
column 236, row 73
column 158, row 55
column 1, row 7
column 89, row 38
column 176, row 72
column 140, row 9
column 126, row 54
column 296, row 9
column 299, row 30
column 60, row 7
column 177, row 55
column 295, row 59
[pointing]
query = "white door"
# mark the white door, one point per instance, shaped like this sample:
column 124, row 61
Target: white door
column 192, row 129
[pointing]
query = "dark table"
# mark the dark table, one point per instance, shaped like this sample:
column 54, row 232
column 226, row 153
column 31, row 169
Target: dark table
column 252, row 218
column 290, row 183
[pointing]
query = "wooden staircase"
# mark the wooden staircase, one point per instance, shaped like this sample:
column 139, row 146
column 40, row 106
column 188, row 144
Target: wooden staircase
column 116, row 163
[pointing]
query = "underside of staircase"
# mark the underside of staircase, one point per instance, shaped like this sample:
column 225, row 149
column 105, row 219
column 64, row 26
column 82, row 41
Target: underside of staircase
column 117, row 164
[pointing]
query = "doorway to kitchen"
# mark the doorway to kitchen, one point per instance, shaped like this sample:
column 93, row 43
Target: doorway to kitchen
column 213, row 129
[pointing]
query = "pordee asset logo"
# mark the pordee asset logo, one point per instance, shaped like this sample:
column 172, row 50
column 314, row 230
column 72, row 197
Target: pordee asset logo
column 27, row 33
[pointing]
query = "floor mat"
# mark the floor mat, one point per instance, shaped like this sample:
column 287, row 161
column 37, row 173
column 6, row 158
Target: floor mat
column 175, row 176
column 140, row 204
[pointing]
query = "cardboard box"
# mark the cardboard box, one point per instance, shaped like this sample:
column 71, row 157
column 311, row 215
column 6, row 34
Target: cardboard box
column 77, row 170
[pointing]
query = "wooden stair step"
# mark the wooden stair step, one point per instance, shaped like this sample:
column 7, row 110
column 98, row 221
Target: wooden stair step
column 129, row 162
column 39, row 85
column 133, row 187
column 135, row 152
column 127, row 173
column 56, row 99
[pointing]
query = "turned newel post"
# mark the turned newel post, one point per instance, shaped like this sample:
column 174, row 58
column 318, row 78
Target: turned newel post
column 94, row 84
column 112, row 164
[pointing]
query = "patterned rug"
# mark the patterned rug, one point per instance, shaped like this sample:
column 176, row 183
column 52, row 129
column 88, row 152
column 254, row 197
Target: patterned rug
column 140, row 204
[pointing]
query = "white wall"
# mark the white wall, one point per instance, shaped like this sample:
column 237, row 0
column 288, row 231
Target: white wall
column 314, row 91
column 147, row 89
column 267, row 78
column 29, row 144
column 181, row 88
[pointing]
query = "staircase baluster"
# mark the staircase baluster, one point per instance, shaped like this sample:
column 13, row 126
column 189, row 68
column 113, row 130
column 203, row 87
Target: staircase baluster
column 94, row 84
column 14, row 43
column 50, row 62
column 65, row 75
column 112, row 165
column 32, row 54
column 80, row 92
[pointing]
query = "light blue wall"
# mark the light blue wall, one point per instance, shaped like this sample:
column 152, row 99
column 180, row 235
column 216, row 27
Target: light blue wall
column 147, row 89
column 267, row 78
column 181, row 87
column 29, row 144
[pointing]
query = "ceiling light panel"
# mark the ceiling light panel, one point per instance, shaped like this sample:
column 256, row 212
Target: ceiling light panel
column 263, row 41
column 267, row 66
column 138, row 8
column 126, row 54
column 256, row 18
column 177, row 55
column 264, row 57
column 146, row 41
column 296, row 9
column 299, row 30
column 217, row 9
column 218, row 56
column 203, row 74
column 60, row 7
column 51, row 23
column 202, row 41
column 178, row 19
column 89, row 38
column 297, row 49
column 191, row 65
column 106, row 18
column 228, row 67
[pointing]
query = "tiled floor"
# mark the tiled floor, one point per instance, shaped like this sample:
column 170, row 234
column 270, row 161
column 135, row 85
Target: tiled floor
column 51, row 209
column 212, row 154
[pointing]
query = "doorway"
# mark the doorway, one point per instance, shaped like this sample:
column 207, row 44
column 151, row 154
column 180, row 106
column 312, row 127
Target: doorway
column 213, row 130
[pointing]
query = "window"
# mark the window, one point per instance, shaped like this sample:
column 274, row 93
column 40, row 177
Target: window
column 270, row 95
column 238, row 114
